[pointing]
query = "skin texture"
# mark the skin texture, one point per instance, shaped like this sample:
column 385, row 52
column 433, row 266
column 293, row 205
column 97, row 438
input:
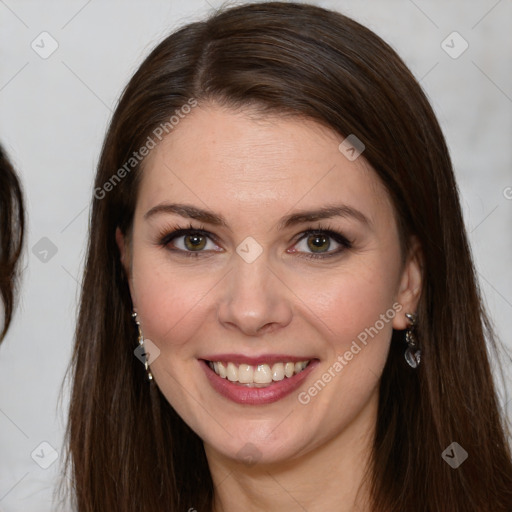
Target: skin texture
column 254, row 171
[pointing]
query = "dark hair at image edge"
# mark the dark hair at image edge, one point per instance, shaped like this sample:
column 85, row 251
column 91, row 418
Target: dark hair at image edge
column 12, row 226
column 128, row 449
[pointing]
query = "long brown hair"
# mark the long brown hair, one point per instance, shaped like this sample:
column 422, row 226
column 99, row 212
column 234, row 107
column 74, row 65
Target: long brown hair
column 12, row 226
column 128, row 449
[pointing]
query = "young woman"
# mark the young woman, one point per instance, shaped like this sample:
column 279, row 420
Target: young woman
column 12, row 224
column 279, row 309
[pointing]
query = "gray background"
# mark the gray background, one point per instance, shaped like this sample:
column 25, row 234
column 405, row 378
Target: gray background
column 53, row 115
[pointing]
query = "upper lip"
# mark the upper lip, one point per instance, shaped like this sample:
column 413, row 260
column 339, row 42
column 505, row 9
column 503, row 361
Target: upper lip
column 255, row 360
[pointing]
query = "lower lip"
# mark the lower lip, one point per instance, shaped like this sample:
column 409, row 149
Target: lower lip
column 257, row 396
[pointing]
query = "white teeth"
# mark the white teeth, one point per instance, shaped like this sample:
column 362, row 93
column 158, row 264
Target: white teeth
column 232, row 372
column 300, row 366
column 278, row 372
column 263, row 374
column 260, row 374
column 245, row 374
column 221, row 370
column 289, row 369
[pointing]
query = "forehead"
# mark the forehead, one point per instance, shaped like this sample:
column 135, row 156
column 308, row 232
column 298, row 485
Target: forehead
column 224, row 159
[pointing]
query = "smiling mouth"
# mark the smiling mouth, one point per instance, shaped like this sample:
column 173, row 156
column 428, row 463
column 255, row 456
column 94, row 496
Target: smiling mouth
column 261, row 375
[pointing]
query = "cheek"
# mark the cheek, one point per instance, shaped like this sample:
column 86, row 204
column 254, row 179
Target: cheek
column 169, row 302
column 350, row 302
column 355, row 314
column 357, row 310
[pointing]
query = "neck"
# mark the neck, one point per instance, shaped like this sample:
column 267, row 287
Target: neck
column 329, row 477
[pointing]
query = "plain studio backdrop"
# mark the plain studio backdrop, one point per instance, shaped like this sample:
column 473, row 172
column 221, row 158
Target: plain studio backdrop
column 63, row 66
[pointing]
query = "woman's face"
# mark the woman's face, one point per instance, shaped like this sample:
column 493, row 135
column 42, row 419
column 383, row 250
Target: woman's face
column 251, row 291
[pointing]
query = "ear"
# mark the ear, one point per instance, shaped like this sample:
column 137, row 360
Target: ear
column 410, row 285
column 124, row 250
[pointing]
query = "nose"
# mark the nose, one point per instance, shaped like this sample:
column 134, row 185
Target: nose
column 255, row 299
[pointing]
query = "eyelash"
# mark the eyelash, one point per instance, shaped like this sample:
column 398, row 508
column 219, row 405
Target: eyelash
column 176, row 231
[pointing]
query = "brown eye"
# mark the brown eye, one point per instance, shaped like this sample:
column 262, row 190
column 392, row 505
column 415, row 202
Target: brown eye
column 188, row 242
column 194, row 242
column 318, row 243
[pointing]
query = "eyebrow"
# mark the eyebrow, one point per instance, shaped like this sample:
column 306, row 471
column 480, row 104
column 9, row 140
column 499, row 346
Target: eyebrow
column 299, row 217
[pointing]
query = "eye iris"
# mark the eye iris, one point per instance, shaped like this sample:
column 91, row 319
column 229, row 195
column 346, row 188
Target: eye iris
column 317, row 242
column 198, row 242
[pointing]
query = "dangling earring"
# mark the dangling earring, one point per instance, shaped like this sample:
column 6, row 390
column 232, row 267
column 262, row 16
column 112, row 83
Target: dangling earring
column 140, row 349
column 412, row 353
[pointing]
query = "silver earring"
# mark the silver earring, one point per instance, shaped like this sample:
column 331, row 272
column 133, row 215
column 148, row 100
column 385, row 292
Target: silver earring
column 412, row 353
column 141, row 344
